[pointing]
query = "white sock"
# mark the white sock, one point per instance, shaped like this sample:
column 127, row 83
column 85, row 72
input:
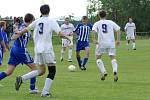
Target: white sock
column 114, row 65
column 133, row 44
column 62, row 53
column 47, row 86
column 30, row 75
column 100, row 65
column 70, row 53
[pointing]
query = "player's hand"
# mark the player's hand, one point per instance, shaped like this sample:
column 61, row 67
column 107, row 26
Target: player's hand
column 117, row 43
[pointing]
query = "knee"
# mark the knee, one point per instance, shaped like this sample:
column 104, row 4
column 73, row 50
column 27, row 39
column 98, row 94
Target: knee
column 52, row 72
column 8, row 73
column 42, row 72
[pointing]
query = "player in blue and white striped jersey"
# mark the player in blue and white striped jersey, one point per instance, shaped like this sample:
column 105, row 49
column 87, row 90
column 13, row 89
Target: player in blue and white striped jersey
column 83, row 30
column 19, row 53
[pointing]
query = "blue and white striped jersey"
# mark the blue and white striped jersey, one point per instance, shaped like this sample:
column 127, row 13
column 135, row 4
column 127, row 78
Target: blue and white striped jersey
column 83, row 31
column 23, row 39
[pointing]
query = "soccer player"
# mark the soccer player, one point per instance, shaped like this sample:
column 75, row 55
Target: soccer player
column 83, row 29
column 4, row 34
column 19, row 53
column 67, row 28
column 105, row 30
column 43, row 48
column 2, row 43
column 130, row 30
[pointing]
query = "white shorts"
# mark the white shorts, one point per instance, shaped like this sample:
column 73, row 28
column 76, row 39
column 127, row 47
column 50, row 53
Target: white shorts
column 67, row 43
column 130, row 37
column 99, row 50
column 45, row 58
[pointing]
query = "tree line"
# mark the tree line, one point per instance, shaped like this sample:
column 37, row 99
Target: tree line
column 120, row 10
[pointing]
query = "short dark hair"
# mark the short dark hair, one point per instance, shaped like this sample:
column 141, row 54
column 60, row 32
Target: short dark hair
column 84, row 17
column 28, row 18
column 45, row 9
column 102, row 14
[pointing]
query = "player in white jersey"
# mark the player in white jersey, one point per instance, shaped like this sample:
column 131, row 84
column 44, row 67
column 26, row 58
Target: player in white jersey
column 67, row 28
column 43, row 48
column 105, row 42
column 130, row 30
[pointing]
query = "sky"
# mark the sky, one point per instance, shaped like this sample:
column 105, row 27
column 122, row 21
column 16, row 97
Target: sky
column 58, row 7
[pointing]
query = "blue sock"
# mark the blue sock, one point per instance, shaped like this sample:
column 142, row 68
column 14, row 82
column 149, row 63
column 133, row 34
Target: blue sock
column 32, row 83
column 79, row 61
column 2, row 75
column 85, row 61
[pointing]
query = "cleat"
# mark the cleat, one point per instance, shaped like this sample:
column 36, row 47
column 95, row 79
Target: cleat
column 46, row 95
column 134, row 48
column 18, row 83
column 82, row 68
column 61, row 59
column 115, row 77
column 104, row 76
column 35, row 91
column 69, row 60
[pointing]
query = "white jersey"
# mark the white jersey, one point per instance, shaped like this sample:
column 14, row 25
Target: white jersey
column 130, row 28
column 105, row 30
column 42, row 34
column 67, row 29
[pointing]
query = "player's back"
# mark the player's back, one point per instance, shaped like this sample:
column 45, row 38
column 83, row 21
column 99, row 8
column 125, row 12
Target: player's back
column 106, row 29
column 43, row 29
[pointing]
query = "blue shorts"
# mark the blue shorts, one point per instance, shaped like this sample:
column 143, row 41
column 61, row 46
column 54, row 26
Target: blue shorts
column 1, row 56
column 19, row 56
column 81, row 45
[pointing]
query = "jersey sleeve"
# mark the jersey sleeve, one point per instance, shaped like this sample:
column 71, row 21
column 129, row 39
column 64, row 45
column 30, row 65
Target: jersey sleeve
column 116, row 27
column 95, row 28
column 56, row 27
column 77, row 28
column 126, row 26
column 5, row 38
column 32, row 26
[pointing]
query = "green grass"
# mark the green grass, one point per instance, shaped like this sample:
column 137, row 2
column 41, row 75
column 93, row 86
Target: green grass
column 133, row 84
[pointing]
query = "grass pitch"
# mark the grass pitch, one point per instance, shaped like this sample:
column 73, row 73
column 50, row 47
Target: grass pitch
column 133, row 83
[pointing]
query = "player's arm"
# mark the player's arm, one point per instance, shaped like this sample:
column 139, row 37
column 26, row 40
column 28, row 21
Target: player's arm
column 94, row 31
column 134, row 30
column 2, row 42
column 94, row 37
column 125, row 29
column 118, row 37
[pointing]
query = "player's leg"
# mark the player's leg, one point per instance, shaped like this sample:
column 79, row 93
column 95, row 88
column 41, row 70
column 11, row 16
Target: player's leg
column 99, row 52
column 7, row 72
column 114, row 63
column 49, row 80
column 78, row 59
column 50, row 61
column 87, row 50
column 63, row 49
column 32, row 74
column 133, row 43
column 70, row 54
column 33, row 89
column 128, row 41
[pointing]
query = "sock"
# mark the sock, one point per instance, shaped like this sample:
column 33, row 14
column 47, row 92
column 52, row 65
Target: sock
column 133, row 44
column 79, row 61
column 30, row 75
column 32, row 83
column 114, row 65
column 100, row 65
column 85, row 61
column 62, row 53
column 2, row 75
column 70, row 53
column 48, row 83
